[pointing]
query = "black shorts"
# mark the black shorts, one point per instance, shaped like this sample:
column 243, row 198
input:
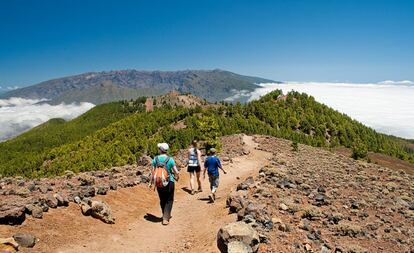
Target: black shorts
column 193, row 169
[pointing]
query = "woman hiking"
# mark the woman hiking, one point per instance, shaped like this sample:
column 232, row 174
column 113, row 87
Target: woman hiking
column 194, row 166
column 164, row 174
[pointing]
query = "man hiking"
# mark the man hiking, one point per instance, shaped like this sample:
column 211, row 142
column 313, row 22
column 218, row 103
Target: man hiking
column 163, row 176
column 212, row 165
column 194, row 166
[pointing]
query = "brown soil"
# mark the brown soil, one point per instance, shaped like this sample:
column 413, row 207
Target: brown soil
column 193, row 227
column 381, row 159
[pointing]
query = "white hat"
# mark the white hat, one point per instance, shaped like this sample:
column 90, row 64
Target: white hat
column 163, row 147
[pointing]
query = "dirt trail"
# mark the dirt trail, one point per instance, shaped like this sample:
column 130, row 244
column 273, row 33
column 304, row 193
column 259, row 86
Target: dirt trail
column 193, row 227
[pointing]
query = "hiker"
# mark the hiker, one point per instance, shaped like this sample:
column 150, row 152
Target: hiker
column 212, row 165
column 164, row 174
column 194, row 166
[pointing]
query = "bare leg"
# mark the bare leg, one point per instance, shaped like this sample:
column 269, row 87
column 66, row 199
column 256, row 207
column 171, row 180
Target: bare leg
column 192, row 181
column 199, row 181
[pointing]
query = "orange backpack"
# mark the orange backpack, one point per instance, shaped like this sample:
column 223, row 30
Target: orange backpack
column 160, row 175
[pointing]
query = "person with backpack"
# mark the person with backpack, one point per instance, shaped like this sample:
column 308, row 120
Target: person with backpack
column 194, row 167
column 163, row 177
column 212, row 165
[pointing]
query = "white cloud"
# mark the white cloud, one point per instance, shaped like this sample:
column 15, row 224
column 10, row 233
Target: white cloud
column 18, row 115
column 19, row 101
column 386, row 107
column 238, row 94
column 390, row 82
column 12, row 87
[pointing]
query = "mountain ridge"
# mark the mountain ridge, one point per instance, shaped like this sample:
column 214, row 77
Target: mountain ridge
column 107, row 86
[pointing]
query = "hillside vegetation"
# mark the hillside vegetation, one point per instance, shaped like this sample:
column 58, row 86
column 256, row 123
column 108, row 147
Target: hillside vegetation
column 25, row 152
column 296, row 117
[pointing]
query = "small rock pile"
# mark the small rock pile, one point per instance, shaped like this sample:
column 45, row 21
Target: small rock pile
column 20, row 197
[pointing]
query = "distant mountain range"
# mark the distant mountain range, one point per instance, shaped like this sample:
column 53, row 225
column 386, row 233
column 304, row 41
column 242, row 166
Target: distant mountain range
column 102, row 87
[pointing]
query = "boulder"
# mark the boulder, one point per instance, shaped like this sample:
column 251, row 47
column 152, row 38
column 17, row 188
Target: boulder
column 29, row 208
column 51, row 201
column 97, row 209
column 321, row 199
column 42, row 188
column 37, row 212
column 25, row 240
column 102, row 190
column 102, row 211
column 87, row 192
column 283, row 206
column 44, row 206
column 23, row 192
column 31, row 187
column 257, row 211
column 86, row 180
column 237, row 232
column 246, row 184
column 113, row 185
column 12, row 214
column 237, row 201
column 61, row 200
column 77, row 200
column 285, row 183
column 85, row 208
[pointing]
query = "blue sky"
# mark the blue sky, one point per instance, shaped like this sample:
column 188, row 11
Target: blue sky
column 348, row 41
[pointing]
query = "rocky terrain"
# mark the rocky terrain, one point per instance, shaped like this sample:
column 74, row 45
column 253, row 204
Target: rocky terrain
column 312, row 200
column 20, row 197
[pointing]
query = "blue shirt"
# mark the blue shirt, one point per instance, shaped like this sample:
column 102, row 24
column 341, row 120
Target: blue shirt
column 212, row 164
column 170, row 165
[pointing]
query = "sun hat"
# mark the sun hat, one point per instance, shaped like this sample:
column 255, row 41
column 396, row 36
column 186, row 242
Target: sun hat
column 163, row 147
column 213, row 150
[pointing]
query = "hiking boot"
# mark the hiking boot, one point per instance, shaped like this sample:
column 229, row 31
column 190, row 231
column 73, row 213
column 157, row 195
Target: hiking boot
column 214, row 197
column 165, row 222
column 199, row 189
column 192, row 192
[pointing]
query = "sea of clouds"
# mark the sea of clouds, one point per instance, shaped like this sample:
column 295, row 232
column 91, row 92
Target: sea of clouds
column 18, row 115
column 386, row 106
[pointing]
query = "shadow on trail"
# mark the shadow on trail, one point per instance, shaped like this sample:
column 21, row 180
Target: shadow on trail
column 152, row 218
column 186, row 189
column 206, row 199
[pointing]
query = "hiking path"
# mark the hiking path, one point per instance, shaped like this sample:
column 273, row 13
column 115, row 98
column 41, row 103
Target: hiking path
column 193, row 227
